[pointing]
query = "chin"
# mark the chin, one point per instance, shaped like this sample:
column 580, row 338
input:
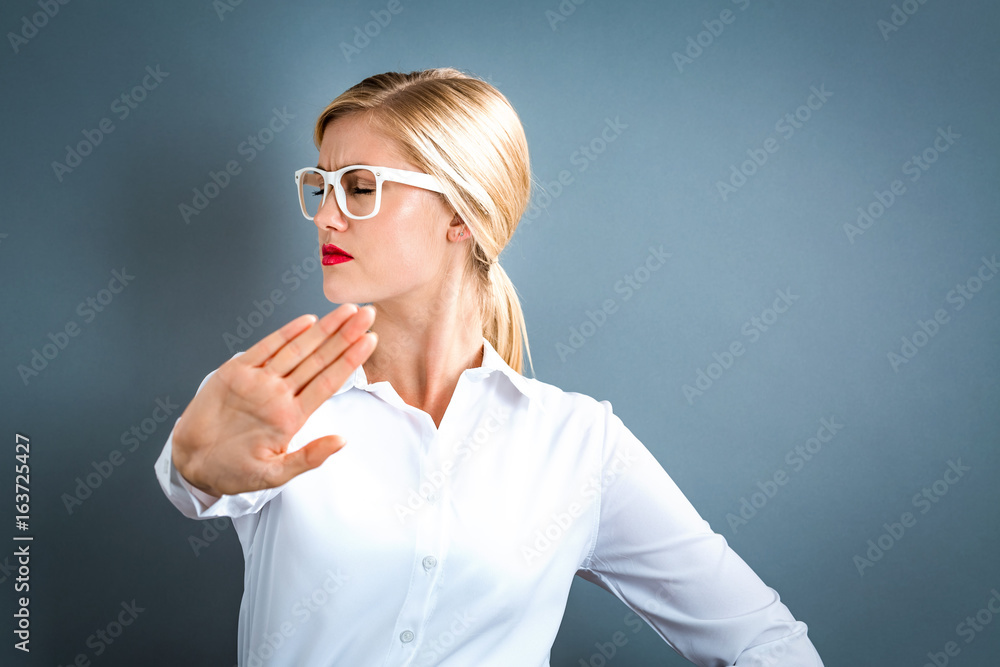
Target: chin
column 337, row 296
column 336, row 291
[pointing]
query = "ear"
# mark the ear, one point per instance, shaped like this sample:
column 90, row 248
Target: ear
column 458, row 230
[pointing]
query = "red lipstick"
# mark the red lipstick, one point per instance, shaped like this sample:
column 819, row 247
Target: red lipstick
column 334, row 255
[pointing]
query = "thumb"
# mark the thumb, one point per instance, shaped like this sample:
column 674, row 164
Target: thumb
column 310, row 456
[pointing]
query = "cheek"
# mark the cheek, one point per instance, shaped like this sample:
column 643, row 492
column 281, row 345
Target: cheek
column 410, row 239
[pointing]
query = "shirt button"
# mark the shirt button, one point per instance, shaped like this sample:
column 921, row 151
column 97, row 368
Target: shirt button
column 431, row 497
column 406, row 636
column 429, row 562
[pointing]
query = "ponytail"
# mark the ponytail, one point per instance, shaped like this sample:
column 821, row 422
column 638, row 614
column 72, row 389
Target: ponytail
column 504, row 325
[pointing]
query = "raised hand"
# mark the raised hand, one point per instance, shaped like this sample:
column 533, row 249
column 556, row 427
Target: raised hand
column 234, row 434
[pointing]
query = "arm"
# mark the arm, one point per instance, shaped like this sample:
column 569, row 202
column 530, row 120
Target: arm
column 655, row 553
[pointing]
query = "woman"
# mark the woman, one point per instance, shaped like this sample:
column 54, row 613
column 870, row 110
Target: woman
column 449, row 529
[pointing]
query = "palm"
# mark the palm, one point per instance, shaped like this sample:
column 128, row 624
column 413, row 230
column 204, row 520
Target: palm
column 234, row 435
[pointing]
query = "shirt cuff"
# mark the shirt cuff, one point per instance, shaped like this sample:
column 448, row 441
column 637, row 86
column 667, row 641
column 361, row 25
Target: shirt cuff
column 191, row 501
column 206, row 500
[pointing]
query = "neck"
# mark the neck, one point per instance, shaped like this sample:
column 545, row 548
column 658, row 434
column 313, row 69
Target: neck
column 425, row 344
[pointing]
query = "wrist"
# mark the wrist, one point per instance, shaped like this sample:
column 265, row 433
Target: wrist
column 188, row 471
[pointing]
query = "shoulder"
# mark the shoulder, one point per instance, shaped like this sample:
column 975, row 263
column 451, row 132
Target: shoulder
column 562, row 404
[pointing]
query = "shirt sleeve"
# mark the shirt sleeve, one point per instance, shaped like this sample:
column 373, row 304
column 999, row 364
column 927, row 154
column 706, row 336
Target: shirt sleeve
column 655, row 553
column 192, row 501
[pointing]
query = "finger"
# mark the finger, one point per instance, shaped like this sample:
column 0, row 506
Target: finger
column 331, row 349
column 292, row 354
column 333, row 376
column 308, row 457
column 267, row 346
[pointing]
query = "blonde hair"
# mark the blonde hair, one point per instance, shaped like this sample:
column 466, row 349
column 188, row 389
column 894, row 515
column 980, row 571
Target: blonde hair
column 463, row 131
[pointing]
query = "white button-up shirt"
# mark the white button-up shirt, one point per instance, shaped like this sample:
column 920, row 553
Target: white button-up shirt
column 456, row 546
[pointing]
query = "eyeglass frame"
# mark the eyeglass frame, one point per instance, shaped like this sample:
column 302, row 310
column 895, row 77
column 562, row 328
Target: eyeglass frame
column 382, row 174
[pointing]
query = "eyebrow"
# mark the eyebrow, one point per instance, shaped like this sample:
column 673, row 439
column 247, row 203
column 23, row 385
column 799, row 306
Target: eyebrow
column 318, row 166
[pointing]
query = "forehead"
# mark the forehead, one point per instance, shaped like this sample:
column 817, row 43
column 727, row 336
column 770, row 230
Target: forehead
column 354, row 140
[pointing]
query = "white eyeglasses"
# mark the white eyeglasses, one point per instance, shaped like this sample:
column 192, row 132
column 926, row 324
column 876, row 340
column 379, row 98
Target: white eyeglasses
column 358, row 188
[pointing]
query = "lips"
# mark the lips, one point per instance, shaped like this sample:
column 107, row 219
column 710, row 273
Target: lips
column 334, row 255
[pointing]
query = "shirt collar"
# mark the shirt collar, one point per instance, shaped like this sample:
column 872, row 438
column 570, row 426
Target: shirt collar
column 492, row 363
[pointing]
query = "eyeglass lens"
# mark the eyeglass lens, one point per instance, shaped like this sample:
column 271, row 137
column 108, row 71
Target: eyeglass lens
column 359, row 191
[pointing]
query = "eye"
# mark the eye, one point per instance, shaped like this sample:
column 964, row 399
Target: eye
column 359, row 183
column 317, row 193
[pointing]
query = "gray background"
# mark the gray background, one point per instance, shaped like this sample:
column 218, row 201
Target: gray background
column 655, row 184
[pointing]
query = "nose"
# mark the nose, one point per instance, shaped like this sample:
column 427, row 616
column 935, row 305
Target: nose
column 329, row 215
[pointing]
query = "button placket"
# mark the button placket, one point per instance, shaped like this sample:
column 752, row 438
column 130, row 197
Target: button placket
column 432, row 534
column 428, row 544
